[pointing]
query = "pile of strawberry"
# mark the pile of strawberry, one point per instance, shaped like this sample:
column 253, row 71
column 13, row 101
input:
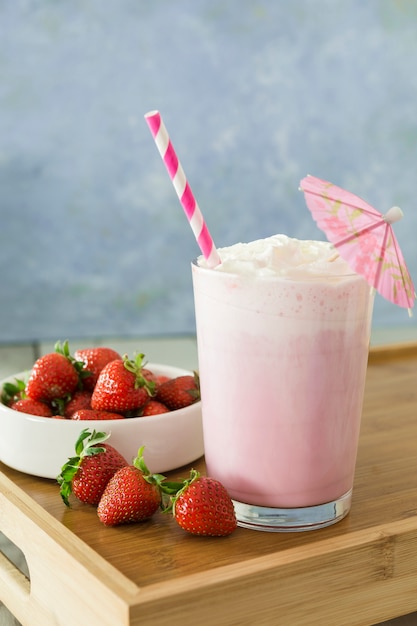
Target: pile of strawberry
column 97, row 383
column 99, row 475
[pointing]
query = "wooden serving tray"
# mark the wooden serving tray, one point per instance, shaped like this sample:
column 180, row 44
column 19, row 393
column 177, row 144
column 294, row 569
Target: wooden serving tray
column 362, row 570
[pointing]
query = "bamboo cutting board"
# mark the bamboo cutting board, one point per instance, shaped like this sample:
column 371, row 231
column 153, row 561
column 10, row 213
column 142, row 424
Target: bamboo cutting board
column 360, row 571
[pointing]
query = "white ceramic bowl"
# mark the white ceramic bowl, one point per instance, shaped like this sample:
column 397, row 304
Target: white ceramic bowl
column 41, row 445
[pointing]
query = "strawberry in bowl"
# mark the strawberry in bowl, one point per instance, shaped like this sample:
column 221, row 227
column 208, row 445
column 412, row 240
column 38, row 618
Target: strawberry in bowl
column 44, row 410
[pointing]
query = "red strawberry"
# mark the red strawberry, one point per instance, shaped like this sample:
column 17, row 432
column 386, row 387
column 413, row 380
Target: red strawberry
column 203, row 507
column 179, row 392
column 88, row 472
column 132, row 495
column 160, row 378
column 91, row 414
column 153, row 407
column 149, row 375
column 121, row 386
column 157, row 379
column 81, row 399
column 54, row 375
column 33, row 407
column 94, row 360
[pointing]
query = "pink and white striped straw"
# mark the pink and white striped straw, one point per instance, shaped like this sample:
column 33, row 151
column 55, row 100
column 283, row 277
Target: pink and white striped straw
column 183, row 189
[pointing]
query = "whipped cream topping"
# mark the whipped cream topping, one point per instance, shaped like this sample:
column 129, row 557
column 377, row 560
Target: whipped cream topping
column 280, row 255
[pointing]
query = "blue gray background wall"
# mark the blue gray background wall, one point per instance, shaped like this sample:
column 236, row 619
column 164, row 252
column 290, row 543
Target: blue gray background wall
column 255, row 94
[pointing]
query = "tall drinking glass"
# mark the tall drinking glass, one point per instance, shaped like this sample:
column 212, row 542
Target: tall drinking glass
column 282, row 364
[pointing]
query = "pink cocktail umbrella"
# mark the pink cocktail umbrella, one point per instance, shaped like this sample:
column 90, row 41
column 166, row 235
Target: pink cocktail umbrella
column 363, row 237
column 183, row 189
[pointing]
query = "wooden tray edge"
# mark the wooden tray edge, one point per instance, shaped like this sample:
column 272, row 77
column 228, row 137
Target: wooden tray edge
column 395, row 351
column 23, row 510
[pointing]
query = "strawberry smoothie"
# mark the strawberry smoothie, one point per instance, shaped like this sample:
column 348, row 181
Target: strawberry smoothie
column 283, row 330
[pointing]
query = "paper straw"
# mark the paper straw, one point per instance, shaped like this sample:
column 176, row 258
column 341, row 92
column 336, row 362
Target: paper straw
column 183, row 189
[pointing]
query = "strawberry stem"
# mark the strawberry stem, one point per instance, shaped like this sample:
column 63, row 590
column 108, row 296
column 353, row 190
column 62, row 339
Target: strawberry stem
column 153, row 479
column 63, row 348
column 174, row 489
column 135, row 366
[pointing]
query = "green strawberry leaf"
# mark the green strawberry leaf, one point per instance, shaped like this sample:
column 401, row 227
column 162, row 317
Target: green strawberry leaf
column 171, row 487
column 79, row 444
column 63, row 348
column 59, row 404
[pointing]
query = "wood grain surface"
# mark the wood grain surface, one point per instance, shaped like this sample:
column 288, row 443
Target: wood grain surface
column 361, row 571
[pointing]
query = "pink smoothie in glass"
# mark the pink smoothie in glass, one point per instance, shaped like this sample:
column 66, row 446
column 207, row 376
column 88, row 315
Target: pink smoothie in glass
column 283, row 335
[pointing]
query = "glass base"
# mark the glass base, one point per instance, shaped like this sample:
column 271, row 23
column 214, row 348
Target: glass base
column 292, row 520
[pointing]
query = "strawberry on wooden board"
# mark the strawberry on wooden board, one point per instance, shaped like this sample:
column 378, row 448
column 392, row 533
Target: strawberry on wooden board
column 92, row 414
column 121, row 386
column 201, row 506
column 179, row 392
column 87, row 473
column 132, row 494
column 94, row 360
column 54, row 375
column 33, row 407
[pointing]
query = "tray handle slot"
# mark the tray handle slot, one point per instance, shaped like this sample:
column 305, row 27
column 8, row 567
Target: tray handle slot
column 14, row 585
column 13, row 579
